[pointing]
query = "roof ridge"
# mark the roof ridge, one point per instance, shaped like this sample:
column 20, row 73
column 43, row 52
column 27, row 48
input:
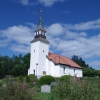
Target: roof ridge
column 60, row 55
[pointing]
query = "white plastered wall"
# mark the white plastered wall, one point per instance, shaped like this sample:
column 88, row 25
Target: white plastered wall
column 58, row 70
column 70, row 71
column 34, row 57
column 39, row 50
column 52, row 69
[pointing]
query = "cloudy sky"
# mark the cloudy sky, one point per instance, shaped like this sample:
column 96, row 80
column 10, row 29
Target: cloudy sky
column 73, row 27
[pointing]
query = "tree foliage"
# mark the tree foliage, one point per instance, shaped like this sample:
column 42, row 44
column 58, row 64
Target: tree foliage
column 87, row 70
column 15, row 65
column 1, row 63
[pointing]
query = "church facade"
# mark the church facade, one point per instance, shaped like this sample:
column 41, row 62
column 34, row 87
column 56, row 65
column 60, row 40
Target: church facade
column 43, row 62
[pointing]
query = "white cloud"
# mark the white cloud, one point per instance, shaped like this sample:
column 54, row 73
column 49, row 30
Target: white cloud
column 74, row 42
column 55, row 29
column 24, row 2
column 82, row 46
column 20, row 48
column 71, row 35
column 44, row 2
column 19, row 37
column 72, row 47
column 4, row 42
column 49, row 2
column 53, row 42
column 18, row 34
column 84, row 34
column 27, row 2
column 85, row 26
column 74, row 35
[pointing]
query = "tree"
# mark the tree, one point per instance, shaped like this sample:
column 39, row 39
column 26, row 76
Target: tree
column 1, row 69
column 26, row 63
column 21, row 64
column 87, row 71
column 15, row 65
column 0, row 63
column 80, row 61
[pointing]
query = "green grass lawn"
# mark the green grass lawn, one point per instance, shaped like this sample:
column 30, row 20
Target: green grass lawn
column 42, row 96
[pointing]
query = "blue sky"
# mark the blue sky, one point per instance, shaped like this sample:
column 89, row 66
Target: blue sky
column 73, row 27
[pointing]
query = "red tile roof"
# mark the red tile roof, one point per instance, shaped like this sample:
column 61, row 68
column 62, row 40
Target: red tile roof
column 59, row 59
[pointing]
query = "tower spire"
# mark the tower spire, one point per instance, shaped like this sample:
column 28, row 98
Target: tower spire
column 40, row 21
column 40, row 32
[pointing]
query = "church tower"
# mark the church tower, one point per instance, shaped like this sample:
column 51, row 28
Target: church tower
column 39, row 50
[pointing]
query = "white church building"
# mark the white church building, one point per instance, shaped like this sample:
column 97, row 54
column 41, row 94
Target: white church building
column 43, row 62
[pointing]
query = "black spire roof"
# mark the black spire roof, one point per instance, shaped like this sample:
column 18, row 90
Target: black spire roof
column 40, row 32
column 40, row 21
column 40, row 25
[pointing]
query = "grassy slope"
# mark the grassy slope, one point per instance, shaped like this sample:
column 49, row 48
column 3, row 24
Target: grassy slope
column 42, row 96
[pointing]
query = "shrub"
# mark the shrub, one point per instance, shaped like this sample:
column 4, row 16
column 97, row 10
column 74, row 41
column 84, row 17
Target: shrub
column 30, row 85
column 27, row 79
column 15, row 79
column 60, row 91
column 83, row 91
column 57, row 79
column 32, row 77
column 46, row 80
column 65, row 78
column 21, row 79
column 1, row 82
column 16, row 91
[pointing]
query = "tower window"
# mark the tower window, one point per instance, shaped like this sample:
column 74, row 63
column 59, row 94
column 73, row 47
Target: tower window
column 42, row 33
column 39, row 32
column 34, row 50
column 43, row 51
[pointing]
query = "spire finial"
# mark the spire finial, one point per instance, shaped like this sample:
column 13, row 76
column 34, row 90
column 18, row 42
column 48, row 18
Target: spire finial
column 40, row 21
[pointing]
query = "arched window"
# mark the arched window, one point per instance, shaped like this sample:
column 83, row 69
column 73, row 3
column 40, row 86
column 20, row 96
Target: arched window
column 42, row 33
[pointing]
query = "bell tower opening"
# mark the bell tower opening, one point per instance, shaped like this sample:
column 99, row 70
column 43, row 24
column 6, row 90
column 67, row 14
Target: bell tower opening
column 40, row 30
